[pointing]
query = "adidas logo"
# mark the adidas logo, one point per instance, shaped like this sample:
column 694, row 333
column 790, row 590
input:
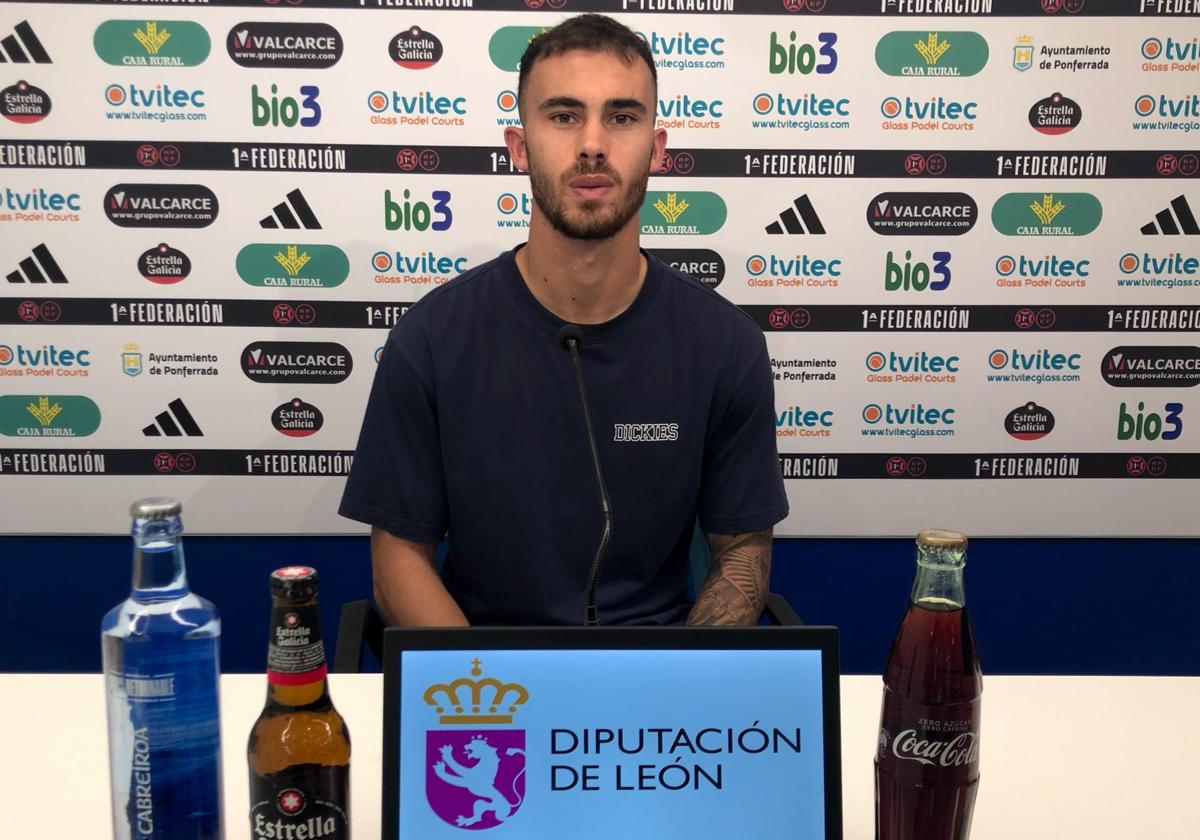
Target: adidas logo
column 284, row 217
column 797, row 218
column 11, row 46
column 39, row 268
column 176, row 421
column 1173, row 220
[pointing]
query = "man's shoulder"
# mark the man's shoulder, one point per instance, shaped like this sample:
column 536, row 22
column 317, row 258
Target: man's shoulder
column 702, row 305
column 458, row 300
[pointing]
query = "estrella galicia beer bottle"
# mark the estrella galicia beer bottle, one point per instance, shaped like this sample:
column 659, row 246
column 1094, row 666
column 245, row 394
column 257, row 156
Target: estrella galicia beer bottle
column 299, row 750
column 927, row 761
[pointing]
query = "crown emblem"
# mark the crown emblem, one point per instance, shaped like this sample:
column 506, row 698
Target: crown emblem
column 1048, row 209
column 1025, row 40
column 933, row 48
column 467, row 701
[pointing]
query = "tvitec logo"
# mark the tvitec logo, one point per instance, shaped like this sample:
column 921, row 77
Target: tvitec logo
column 933, row 114
column 685, row 111
column 1167, row 113
column 887, row 367
column 913, row 420
column 428, row 268
column 799, row 270
column 409, row 214
column 789, row 56
column 160, row 102
column 475, row 776
column 38, row 205
column 1172, row 270
column 1140, row 424
column 818, row 112
column 685, row 51
column 270, row 108
column 802, row 422
column 1020, row 271
column 1170, row 55
column 46, row 360
column 917, row 276
column 420, row 108
column 514, row 210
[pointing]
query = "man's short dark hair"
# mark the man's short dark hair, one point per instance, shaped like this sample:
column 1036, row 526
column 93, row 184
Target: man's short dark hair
column 590, row 33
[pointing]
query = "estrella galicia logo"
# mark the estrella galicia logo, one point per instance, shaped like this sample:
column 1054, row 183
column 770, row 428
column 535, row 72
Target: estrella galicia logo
column 461, row 758
column 296, row 418
column 24, row 103
column 1046, row 214
column 305, row 266
column 925, row 53
column 161, row 205
column 152, row 43
column 164, row 264
column 1029, row 422
column 1151, row 367
column 508, row 44
column 1056, row 114
column 703, row 264
column 58, row 415
column 318, row 362
column 922, row 214
column 415, row 49
column 305, row 46
column 682, row 213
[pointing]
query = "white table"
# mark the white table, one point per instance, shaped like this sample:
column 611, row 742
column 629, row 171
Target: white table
column 1092, row 758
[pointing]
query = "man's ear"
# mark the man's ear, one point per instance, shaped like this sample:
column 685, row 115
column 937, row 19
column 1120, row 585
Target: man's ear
column 657, row 150
column 514, row 138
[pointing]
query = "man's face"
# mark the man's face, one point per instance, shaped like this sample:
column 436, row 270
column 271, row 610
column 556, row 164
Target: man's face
column 588, row 140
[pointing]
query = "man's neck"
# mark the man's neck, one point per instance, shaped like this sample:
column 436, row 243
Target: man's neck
column 582, row 281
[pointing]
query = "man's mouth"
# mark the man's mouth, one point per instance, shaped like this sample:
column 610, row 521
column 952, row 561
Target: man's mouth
column 591, row 186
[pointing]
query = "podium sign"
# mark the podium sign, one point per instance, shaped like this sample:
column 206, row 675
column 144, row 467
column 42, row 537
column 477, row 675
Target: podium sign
column 696, row 734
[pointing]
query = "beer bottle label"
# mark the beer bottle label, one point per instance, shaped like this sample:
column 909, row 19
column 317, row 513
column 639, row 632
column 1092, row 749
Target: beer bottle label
column 302, row 802
column 296, row 654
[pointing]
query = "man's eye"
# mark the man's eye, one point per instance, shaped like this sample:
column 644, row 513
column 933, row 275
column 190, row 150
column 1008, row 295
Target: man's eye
column 624, row 119
column 562, row 119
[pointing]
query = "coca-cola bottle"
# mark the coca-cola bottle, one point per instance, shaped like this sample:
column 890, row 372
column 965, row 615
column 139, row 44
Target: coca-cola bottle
column 927, row 761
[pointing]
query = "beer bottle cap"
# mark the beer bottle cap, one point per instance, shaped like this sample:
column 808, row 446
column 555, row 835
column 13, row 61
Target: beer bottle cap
column 294, row 581
column 940, row 539
column 155, row 507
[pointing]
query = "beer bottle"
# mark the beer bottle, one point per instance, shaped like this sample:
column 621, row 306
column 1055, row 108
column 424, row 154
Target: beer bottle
column 299, row 749
column 927, row 761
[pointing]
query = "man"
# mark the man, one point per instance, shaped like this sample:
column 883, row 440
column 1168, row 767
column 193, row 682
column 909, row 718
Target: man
column 474, row 425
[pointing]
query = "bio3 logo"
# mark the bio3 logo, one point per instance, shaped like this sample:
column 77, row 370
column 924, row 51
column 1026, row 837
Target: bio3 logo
column 917, row 276
column 407, row 214
column 802, row 58
column 268, row 107
column 1140, row 424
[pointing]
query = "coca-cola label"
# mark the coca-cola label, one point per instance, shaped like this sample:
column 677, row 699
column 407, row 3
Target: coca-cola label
column 959, row 750
column 296, row 654
column 303, row 801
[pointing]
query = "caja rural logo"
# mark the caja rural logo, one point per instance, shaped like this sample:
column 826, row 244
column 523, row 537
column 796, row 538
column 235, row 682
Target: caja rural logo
column 475, row 776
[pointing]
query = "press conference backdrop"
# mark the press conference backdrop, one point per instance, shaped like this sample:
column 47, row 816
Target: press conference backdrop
column 968, row 230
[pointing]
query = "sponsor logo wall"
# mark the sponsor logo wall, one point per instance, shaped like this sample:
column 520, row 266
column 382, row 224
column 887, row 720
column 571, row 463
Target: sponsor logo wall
column 968, row 233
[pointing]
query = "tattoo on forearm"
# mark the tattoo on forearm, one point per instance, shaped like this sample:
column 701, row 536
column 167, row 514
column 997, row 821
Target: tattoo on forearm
column 735, row 590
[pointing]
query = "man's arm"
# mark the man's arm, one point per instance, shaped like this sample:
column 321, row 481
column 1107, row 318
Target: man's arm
column 735, row 590
column 408, row 590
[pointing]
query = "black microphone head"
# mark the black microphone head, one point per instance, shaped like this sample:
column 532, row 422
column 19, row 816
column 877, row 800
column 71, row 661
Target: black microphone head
column 568, row 333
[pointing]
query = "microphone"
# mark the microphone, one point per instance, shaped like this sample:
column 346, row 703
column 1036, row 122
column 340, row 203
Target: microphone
column 570, row 336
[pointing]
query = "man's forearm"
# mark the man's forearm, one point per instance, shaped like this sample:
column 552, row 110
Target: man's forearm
column 735, row 590
column 408, row 590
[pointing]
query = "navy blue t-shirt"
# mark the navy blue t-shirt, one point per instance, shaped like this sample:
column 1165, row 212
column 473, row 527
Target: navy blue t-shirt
column 474, row 427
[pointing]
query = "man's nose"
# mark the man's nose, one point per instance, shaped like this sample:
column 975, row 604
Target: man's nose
column 593, row 143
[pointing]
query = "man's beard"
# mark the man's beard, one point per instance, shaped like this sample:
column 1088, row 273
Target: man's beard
column 594, row 224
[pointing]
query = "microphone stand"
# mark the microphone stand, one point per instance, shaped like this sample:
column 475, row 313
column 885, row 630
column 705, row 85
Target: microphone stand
column 570, row 336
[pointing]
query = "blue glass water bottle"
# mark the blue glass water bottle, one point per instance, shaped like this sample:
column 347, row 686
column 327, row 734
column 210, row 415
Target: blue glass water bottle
column 161, row 670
